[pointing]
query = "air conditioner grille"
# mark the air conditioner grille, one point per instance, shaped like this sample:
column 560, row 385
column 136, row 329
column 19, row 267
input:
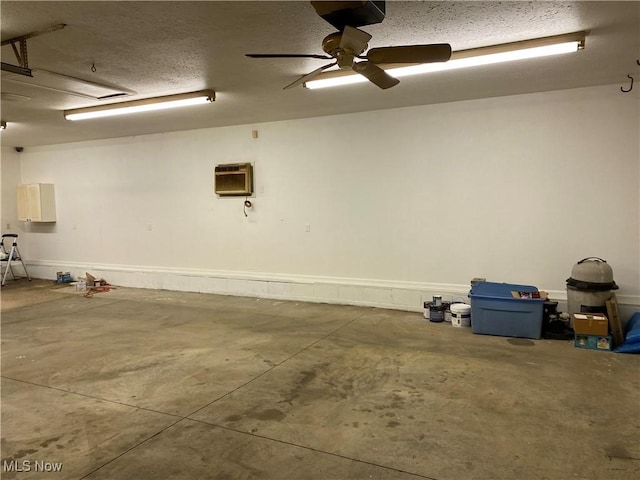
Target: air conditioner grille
column 233, row 179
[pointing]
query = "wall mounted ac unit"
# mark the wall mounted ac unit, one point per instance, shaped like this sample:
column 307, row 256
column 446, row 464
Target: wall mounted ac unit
column 233, row 179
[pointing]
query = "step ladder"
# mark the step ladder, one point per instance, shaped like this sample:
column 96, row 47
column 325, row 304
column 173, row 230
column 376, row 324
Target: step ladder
column 11, row 255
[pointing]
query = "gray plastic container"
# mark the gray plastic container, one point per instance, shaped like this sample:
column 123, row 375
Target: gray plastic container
column 590, row 286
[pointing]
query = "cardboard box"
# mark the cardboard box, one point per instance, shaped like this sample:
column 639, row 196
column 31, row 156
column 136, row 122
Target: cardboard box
column 617, row 331
column 590, row 324
column 593, row 342
column 63, row 277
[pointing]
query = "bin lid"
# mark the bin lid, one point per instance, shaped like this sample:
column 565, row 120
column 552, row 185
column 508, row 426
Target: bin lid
column 592, row 273
column 499, row 290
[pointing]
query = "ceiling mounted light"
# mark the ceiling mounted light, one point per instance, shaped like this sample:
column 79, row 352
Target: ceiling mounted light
column 506, row 52
column 3, row 125
column 144, row 105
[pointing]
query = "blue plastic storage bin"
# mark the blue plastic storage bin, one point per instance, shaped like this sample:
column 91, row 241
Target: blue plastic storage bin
column 494, row 310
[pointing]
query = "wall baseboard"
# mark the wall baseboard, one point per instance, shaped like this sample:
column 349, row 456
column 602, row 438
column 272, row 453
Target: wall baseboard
column 395, row 295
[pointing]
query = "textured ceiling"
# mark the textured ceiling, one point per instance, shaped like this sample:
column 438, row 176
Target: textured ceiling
column 157, row 48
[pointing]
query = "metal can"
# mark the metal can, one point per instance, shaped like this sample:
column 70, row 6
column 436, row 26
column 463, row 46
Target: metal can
column 427, row 310
column 437, row 314
column 447, row 311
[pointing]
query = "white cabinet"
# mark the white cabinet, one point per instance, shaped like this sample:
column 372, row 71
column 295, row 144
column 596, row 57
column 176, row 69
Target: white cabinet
column 36, row 202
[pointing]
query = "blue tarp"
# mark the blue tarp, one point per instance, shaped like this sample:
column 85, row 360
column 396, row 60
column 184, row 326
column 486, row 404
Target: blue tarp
column 632, row 336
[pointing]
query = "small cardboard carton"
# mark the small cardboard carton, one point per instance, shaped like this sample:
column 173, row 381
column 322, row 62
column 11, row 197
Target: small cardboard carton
column 541, row 294
column 590, row 324
column 63, row 277
column 593, row 342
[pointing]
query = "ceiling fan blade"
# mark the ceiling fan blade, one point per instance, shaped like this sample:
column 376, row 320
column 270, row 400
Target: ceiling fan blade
column 309, row 76
column 375, row 74
column 437, row 52
column 286, row 55
column 354, row 40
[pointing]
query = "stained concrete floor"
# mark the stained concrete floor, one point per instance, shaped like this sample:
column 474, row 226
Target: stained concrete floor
column 141, row 384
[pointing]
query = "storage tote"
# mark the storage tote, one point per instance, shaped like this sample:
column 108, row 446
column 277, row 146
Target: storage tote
column 495, row 311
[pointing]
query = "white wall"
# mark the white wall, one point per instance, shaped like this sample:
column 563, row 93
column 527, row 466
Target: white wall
column 401, row 203
column 10, row 175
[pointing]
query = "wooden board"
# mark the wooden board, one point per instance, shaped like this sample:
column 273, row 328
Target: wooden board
column 614, row 320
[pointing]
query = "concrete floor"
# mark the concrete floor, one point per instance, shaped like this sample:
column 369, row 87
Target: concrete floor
column 141, row 384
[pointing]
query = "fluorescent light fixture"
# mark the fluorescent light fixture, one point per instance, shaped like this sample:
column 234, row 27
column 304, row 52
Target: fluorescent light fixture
column 145, row 105
column 3, row 125
column 507, row 52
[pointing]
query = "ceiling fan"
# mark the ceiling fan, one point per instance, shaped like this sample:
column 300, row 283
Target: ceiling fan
column 349, row 44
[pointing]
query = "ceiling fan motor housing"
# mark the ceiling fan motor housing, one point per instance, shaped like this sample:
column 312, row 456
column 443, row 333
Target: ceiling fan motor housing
column 333, row 45
column 354, row 14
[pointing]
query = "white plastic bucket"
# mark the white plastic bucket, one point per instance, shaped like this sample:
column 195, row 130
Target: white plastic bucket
column 460, row 315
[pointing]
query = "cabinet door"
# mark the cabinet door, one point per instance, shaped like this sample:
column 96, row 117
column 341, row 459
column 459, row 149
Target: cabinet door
column 47, row 203
column 23, row 202
column 34, row 202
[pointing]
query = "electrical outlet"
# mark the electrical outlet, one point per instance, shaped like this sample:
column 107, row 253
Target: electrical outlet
column 307, row 227
column 8, row 226
column 149, row 227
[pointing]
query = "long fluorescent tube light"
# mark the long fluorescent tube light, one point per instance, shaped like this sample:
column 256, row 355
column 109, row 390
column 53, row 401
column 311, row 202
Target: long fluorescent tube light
column 507, row 52
column 145, row 105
